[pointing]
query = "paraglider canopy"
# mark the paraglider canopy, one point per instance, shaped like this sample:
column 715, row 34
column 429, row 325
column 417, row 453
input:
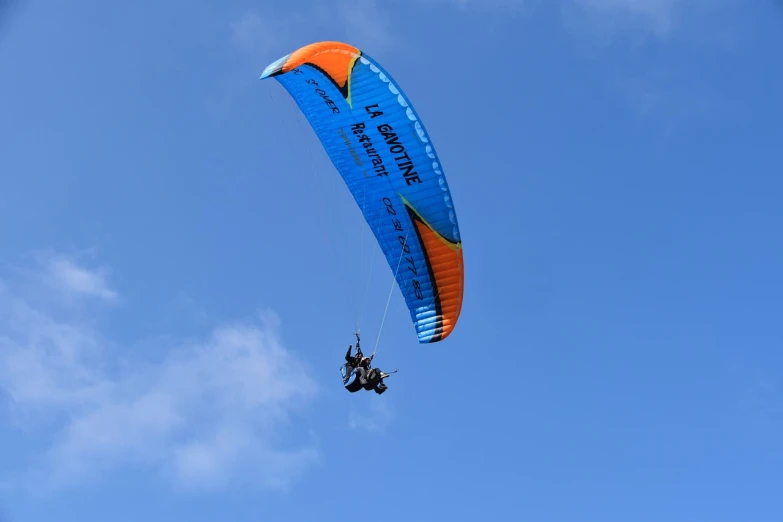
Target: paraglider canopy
column 380, row 147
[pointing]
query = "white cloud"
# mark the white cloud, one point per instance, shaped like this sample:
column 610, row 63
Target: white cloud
column 78, row 280
column 44, row 362
column 207, row 414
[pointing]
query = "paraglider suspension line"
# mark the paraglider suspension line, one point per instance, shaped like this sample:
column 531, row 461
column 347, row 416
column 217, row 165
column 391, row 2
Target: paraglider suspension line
column 388, row 300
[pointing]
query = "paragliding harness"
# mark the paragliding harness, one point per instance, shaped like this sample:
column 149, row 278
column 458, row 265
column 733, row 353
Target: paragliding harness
column 357, row 372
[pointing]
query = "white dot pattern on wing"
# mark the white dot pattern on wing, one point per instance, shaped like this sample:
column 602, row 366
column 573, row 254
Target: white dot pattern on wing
column 420, row 132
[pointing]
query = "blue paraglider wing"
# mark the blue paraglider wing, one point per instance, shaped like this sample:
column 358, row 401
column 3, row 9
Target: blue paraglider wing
column 381, row 149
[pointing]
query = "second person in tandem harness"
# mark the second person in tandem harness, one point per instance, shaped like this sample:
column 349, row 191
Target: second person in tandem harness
column 358, row 373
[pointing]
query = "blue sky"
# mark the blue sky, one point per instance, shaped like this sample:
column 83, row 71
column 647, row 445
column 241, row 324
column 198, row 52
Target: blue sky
column 181, row 268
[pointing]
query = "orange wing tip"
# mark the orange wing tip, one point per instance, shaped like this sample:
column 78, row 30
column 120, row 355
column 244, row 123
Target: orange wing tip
column 333, row 58
column 446, row 266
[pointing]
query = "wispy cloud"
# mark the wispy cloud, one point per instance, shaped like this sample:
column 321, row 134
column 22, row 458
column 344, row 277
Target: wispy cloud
column 79, row 280
column 207, row 413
